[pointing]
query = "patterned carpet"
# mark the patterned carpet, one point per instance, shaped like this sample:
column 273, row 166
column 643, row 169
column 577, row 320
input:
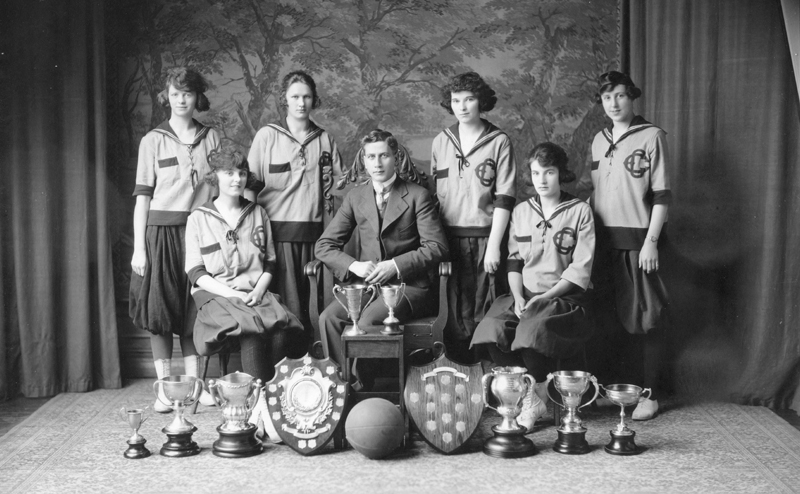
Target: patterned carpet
column 74, row 443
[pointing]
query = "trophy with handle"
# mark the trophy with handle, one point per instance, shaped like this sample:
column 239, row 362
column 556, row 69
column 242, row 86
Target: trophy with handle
column 135, row 417
column 181, row 391
column 391, row 296
column 622, row 438
column 353, row 295
column 571, row 385
column 236, row 395
column 504, row 389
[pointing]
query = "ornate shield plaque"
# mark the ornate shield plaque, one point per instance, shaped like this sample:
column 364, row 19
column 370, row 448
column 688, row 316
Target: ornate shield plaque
column 445, row 401
column 305, row 400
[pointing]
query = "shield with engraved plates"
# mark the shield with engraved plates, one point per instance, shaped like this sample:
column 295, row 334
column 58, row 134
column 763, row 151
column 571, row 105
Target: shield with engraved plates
column 445, row 401
column 305, row 401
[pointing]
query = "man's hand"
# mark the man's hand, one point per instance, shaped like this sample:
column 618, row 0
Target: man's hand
column 362, row 269
column 383, row 272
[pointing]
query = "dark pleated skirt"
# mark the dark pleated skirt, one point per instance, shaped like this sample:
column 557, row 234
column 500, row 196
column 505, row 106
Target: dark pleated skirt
column 557, row 328
column 290, row 282
column 160, row 301
column 470, row 292
column 221, row 321
column 640, row 300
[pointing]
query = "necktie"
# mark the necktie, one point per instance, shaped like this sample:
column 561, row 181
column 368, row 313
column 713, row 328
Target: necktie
column 381, row 200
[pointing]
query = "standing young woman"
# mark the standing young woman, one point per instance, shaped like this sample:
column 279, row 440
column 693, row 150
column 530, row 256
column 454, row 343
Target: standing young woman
column 473, row 162
column 630, row 201
column 173, row 159
column 288, row 159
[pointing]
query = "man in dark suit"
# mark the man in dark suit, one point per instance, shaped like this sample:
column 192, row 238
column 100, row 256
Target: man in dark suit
column 401, row 241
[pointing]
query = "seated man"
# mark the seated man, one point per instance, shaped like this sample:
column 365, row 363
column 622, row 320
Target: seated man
column 401, row 240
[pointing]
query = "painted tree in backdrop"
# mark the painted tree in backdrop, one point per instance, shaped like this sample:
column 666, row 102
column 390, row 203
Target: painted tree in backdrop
column 149, row 36
column 251, row 41
column 388, row 60
column 563, row 45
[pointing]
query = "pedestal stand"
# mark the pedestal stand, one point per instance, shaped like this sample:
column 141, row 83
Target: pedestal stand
column 237, row 444
column 179, row 444
column 509, row 444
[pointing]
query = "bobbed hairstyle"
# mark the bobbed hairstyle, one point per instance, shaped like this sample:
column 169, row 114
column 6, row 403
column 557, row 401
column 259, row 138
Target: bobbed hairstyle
column 469, row 81
column 223, row 161
column 303, row 77
column 609, row 80
column 185, row 79
column 549, row 154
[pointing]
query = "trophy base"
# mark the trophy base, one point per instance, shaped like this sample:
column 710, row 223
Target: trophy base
column 391, row 327
column 353, row 331
column 509, row 444
column 571, row 443
column 622, row 444
column 237, row 444
column 136, row 450
column 179, row 444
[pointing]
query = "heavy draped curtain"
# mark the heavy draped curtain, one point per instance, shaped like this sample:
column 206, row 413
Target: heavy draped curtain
column 717, row 76
column 57, row 322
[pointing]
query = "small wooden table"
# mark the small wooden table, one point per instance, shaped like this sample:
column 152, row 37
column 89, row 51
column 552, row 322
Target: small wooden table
column 373, row 345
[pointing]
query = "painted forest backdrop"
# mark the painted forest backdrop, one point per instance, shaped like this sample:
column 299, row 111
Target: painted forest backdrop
column 376, row 63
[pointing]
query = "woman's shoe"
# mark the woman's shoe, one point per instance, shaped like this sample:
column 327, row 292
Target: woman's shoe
column 260, row 417
column 646, row 409
column 163, row 368
column 532, row 408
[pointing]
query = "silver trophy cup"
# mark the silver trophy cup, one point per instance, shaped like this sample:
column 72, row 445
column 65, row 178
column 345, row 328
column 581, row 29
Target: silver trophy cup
column 353, row 295
column 504, row 390
column 181, row 391
column 236, row 394
column 623, row 395
column 135, row 417
column 391, row 296
column 571, row 385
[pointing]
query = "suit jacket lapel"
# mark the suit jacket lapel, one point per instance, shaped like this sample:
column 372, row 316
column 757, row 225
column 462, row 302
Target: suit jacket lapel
column 368, row 206
column 397, row 203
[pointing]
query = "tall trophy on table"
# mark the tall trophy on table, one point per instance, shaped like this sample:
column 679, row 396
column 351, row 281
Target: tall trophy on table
column 392, row 295
column 179, row 392
column 571, row 385
column 353, row 295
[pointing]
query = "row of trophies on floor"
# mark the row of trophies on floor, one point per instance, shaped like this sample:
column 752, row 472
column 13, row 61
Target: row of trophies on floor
column 504, row 390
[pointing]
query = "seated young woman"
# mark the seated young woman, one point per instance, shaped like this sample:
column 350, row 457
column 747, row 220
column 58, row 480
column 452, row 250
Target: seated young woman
column 551, row 250
column 230, row 259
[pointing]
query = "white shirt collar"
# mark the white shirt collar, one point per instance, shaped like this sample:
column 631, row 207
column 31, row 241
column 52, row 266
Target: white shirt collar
column 385, row 185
